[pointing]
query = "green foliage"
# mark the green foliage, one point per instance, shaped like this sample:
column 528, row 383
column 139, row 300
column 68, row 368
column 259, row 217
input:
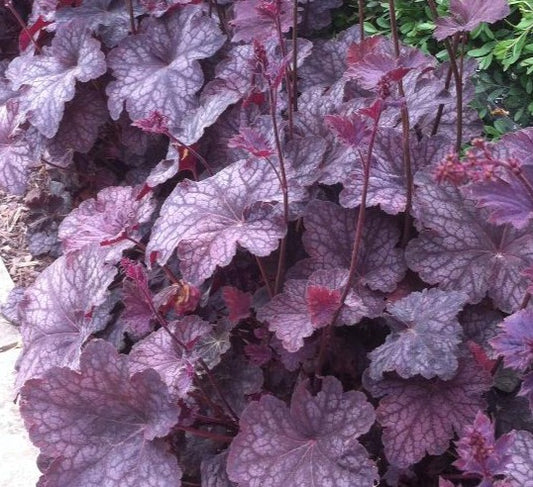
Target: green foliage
column 504, row 50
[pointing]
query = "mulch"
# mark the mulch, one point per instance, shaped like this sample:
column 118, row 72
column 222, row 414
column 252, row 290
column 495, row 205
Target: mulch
column 21, row 265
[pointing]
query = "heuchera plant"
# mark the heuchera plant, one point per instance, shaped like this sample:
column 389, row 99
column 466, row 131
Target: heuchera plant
column 285, row 257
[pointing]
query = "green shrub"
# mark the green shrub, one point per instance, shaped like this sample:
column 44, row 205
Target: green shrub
column 504, row 83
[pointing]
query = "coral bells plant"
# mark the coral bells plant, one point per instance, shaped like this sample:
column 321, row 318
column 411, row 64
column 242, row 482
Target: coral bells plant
column 283, row 258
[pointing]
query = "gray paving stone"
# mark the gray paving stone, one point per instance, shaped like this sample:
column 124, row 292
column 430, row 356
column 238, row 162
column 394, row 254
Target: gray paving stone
column 17, row 455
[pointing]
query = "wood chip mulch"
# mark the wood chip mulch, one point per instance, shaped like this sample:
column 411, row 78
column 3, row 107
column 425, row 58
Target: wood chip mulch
column 20, row 264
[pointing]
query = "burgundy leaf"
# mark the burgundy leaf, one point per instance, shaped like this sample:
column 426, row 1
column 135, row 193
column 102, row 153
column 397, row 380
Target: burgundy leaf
column 100, row 426
column 387, row 183
column 350, row 130
column 252, row 141
column 515, row 340
column 312, row 443
column 458, row 250
column 17, row 152
column 206, row 220
column 420, row 416
column 479, row 452
column 181, row 296
column 61, row 310
column 306, row 305
column 50, row 78
column 425, row 336
column 106, row 221
column 137, row 299
column 466, row 15
column 161, row 352
column 256, row 20
column 322, row 304
column 237, row 302
column 158, row 68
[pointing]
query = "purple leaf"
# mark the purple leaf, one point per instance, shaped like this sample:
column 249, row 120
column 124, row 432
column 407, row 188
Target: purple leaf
column 327, row 63
column 515, row 340
column 207, row 220
column 328, row 240
column 527, row 389
column 374, row 64
column 158, row 68
column 521, row 451
column 458, row 250
column 100, row 425
column 10, row 307
column 78, row 129
column 509, row 198
column 17, row 152
column 466, row 15
column 445, row 483
column 480, row 325
column 175, row 365
column 517, row 144
column 165, row 170
column 479, row 452
column 312, row 443
column 255, row 20
column 424, row 92
column 293, row 360
column 60, row 311
column 214, row 100
column 424, row 339
column 305, row 156
column 44, row 243
column 387, row 183
column 319, row 15
column 420, row 416
column 106, row 221
column 212, row 346
column 109, row 19
column 237, row 379
column 214, row 471
column 306, row 305
column 158, row 7
column 50, row 78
